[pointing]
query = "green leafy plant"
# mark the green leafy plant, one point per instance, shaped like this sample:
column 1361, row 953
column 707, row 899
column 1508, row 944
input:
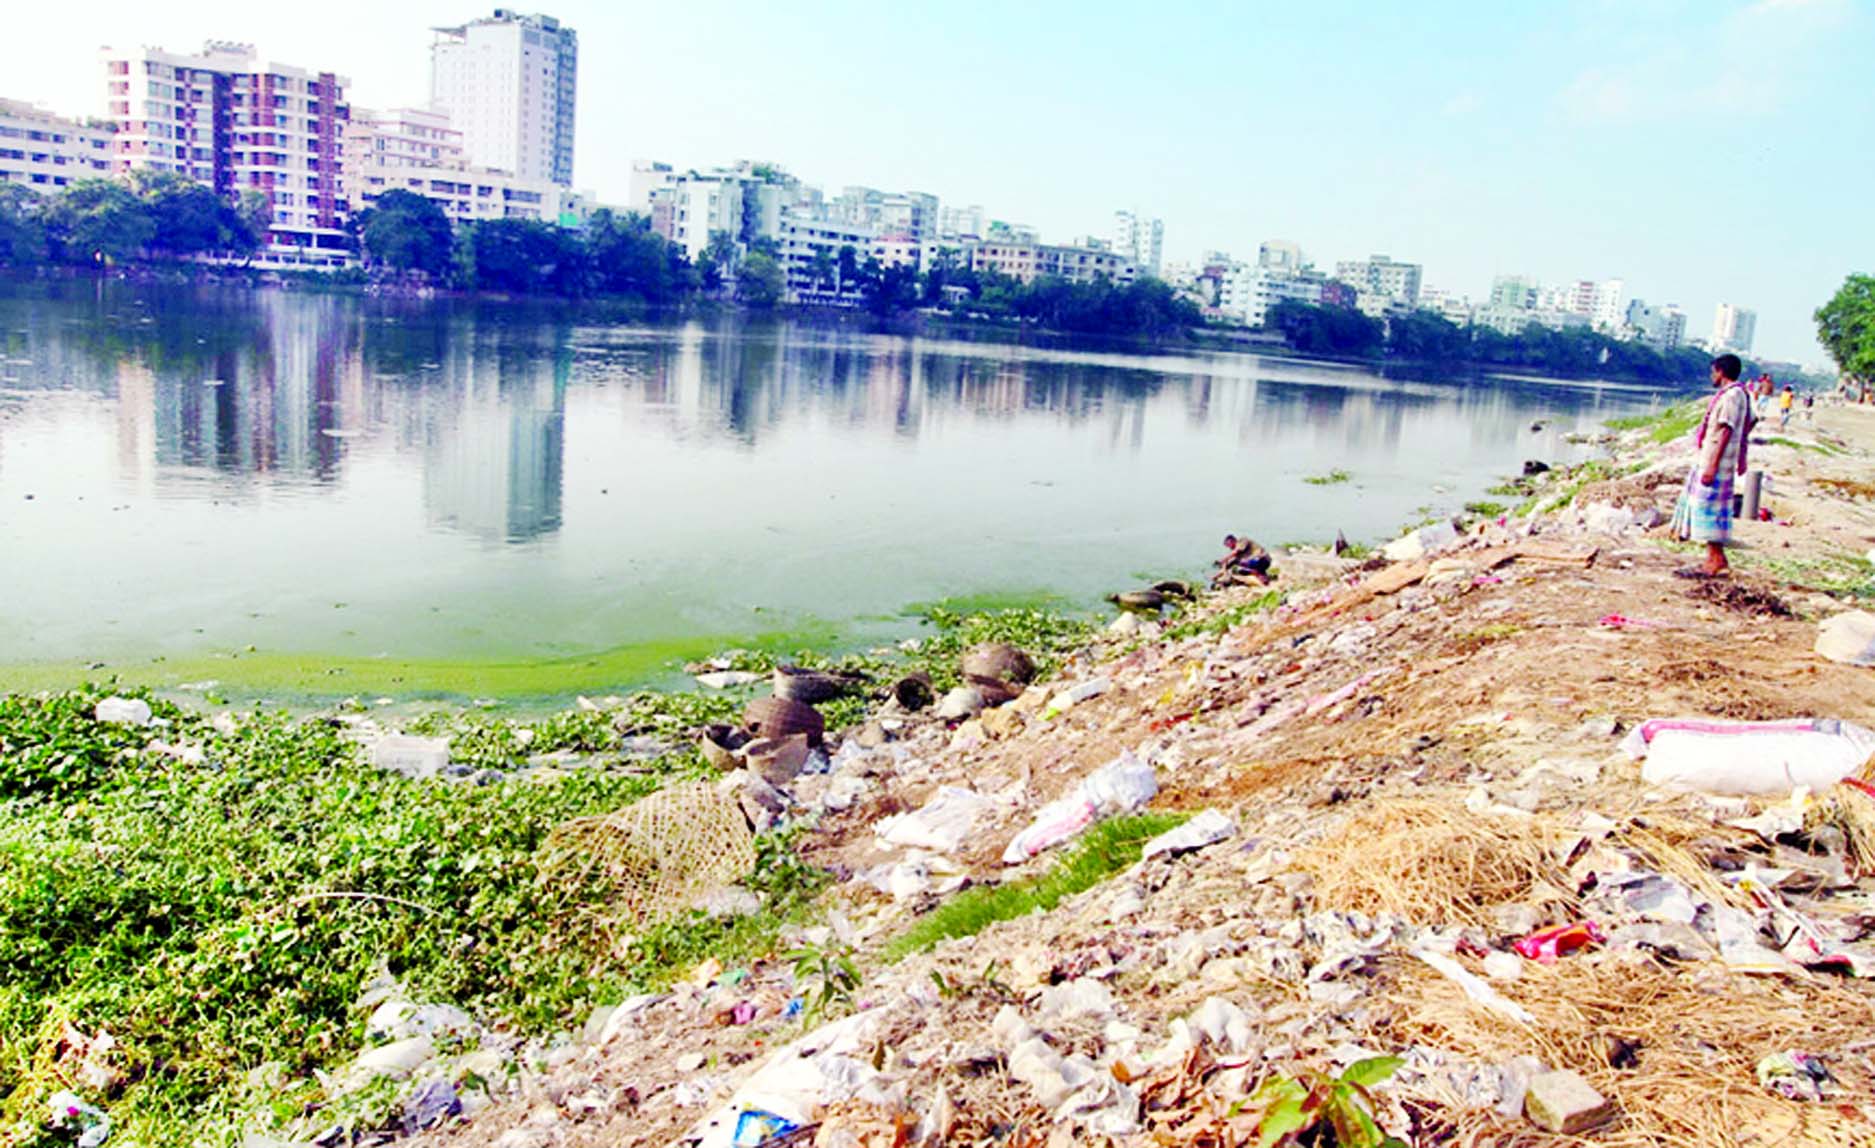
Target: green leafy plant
column 1332, row 478
column 826, row 977
column 1301, row 1109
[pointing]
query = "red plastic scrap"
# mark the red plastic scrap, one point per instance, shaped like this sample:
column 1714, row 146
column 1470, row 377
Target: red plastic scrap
column 1545, row 945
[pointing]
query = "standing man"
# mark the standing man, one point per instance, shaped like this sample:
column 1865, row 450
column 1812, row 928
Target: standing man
column 1786, row 399
column 1704, row 512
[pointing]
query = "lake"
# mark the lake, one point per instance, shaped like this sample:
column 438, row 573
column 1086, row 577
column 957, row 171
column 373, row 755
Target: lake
column 189, row 472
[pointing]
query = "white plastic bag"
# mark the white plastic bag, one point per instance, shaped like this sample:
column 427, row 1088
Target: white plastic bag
column 1057, row 821
column 1748, row 759
column 1121, row 786
column 941, row 823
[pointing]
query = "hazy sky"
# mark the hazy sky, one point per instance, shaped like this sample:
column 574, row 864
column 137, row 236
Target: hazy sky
column 1703, row 151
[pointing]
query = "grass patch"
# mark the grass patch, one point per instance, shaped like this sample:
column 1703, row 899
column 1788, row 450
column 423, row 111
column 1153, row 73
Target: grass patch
column 1841, row 574
column 1472, row 641
column 1105, row 849
column 1486, row 509
column 1332, row 478
column 1663, row 426
column 1828, row 450
column 1227, row 619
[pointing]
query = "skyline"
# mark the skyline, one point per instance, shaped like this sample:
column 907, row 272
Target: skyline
column 1569, row 144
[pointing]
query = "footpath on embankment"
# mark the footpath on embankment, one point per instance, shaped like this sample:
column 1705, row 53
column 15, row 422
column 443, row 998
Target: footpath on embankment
column 1424, row 890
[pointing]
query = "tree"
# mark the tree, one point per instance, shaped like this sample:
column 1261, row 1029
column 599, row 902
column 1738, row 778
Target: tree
column 1426, row 337
column 256, row 211
column 1846, row 327
column 718, row 260
column 526, row 256
column 761, row 282
column 190, row 218
column 628, row 258
column 99, row 221
column 1325, row 330
column 888, row 290
column 404, row 232
column 846, row 268
column 822, row 270
column 22, row 231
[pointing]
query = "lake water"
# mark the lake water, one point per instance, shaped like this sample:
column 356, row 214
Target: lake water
column 184, row 471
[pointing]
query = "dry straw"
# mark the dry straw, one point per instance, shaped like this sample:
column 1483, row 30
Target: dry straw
column 1436, row 864
column 1688, row 1040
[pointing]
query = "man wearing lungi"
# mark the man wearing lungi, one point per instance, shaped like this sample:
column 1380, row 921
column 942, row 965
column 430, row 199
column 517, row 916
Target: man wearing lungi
column 1704, row 512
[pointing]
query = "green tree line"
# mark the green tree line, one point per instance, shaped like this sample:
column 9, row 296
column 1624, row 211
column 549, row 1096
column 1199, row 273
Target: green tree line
column 1846, row 327
column 154, row 217
column 1425, row 337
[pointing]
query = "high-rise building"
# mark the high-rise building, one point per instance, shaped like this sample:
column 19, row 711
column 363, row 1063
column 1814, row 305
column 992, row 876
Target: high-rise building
column 508, row 84
column 1657, row 326
column 1382, row 277
column 1514, row 293
column 419, row 151
column 226, row 120
column 46, row 152
column 1139, row 240
column 1732, row 328
column 1280, row 255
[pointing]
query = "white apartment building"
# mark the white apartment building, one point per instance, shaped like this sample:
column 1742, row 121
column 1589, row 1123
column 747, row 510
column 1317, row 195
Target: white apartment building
column 1139, row 240
column 1655, row 326
column 418, row 150
column 509, row 83
column 1733, row 327
column 224, row 119
column 46, row 152
column 692, row 207
column 805, row 235
column 1249, row 292
column 1598, row 302
column 962, row 222
column 1387, row 280
column 1281, row 255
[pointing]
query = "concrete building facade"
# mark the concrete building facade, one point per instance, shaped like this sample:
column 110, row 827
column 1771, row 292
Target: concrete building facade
column 46, row 152
column 223, row 118
column 510, row 83
column 1139, row 240
column 418, row 150
column 1733, row 328
column 1389, row 280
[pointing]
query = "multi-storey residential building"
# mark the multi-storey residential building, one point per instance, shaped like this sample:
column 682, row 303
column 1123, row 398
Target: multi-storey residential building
column 956, row 223
column 226, row 120
column 1139, row 240
column 1514, row 293
column 691, row 208
column 1598, row 302
column 807, row 239
column 1733, row 327
column 509, row 83
column 1656, row 326
column 418, row 150
column 1248, row 293
column 46, row 152
column 1016, row 259
column 1387, row 280
column 1281, row 255
column 1084, row 264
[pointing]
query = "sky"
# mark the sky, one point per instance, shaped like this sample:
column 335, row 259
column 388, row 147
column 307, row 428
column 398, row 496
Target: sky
column 1704, row 151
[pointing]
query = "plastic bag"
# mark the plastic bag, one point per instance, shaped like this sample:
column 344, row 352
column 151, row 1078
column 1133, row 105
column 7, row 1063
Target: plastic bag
column 1121, row 786
column 1057, row 821
column 1748, row 759
column 941, row 824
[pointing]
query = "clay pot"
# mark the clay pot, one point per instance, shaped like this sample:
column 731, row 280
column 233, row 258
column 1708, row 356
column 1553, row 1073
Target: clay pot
column 810, row 686
column 782, row 717
column 719, row 744
column 914, row 691
column 995, row 691
column 1143, row 601
column 777, row 760
column 999, row 660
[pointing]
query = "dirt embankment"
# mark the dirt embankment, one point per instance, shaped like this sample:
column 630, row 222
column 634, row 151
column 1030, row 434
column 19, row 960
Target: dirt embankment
column 1420, row 765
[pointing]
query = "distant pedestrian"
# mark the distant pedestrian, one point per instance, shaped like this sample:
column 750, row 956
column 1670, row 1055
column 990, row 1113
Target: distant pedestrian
column 1786, row 399
column 1809, row 406
column 1704, row 512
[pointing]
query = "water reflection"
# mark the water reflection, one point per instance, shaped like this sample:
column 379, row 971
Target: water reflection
column 538, row 476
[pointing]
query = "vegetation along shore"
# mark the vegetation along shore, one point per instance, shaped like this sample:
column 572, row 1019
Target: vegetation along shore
column 600, row 926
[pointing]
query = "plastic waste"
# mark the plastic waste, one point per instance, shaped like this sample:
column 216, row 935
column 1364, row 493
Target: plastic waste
column 755, row 1128
column 71, row 1114
column 1067, row 699
column 1746, row 759
column 1545, row 946
column 1421, row 542
column 123, row 711
column 941, row 824
column 1848, row 638
column 1122, row 785
column 1797, row 1076
column 1475, row 987
column 1208, row 828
